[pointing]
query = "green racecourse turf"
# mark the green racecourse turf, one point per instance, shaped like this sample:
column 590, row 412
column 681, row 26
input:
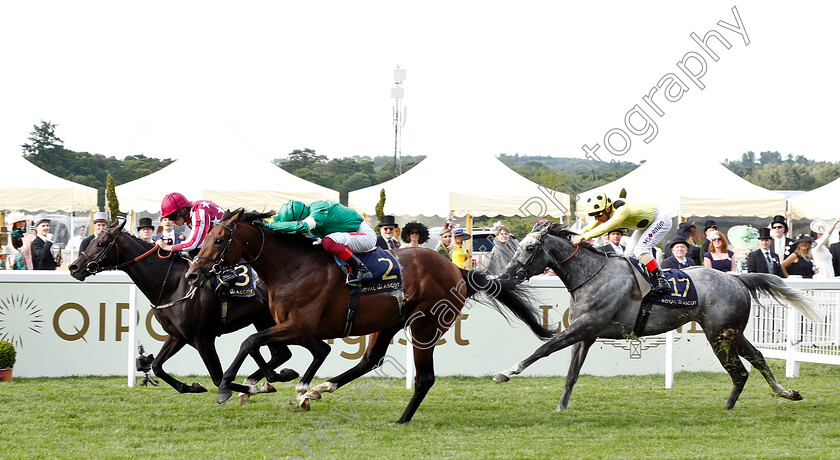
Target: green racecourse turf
column 618, row 417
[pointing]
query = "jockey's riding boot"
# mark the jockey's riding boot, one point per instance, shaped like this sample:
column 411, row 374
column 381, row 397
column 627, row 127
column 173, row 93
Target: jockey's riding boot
column 360, row 272
column 658, row 283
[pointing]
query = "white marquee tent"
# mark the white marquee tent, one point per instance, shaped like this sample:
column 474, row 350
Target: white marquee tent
column 233, row 176
column 820, row 203
column 693, row 187
column 489, row 189
column 28, row 187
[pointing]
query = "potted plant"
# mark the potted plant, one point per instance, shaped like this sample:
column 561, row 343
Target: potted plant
column 7, row 360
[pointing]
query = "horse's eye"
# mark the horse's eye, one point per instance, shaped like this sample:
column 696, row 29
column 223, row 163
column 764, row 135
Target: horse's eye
column 218, row 241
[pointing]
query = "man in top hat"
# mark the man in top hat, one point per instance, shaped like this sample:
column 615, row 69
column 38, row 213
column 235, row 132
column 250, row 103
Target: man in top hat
column 710, row 227
column 42, row 256
column 100, row 221
column 679, row 255
column 145, row 229
column 387, row 238
column 614, row 242
column 764, row 259
column 686, row 232
column 782, row 245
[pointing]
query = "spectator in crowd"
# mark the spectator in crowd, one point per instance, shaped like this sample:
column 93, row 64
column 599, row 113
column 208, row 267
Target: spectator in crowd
column 387, row 238
column 42, row 246
column 168, row 233
column 76, row 241
column 742, row 240
column 719, row 256
column 504, row 247
column 100, row 221
column 614, row 242
column 782, row 245
column 800, row 261
column 460, row 254
column 445, row 245
column 686, row 232
column 835, row 257
column 414, row 234
column 764, row 259
column 710, row 227
column 21, row 241
column 820, row 249
column 145, row 229
column 679, row 255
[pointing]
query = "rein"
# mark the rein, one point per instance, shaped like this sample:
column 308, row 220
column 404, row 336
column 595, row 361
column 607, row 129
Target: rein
column 219, row 261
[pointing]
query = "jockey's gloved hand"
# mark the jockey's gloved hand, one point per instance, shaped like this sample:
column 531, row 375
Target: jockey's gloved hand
column 260, row 223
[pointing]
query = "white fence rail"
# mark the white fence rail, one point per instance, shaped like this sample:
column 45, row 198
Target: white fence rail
column 780, row 331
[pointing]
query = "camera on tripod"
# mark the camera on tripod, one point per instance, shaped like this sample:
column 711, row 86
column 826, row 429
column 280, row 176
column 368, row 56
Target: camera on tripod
column 143, row 363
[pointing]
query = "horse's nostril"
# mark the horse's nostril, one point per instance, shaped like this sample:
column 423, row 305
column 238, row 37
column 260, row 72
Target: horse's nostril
column 73, row 267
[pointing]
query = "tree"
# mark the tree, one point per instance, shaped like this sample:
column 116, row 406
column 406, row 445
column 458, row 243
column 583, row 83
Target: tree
column 112, row 203
column 770, row 158
column 305, row 158
column 748, row 158
column 43, row 138
column 380, row 206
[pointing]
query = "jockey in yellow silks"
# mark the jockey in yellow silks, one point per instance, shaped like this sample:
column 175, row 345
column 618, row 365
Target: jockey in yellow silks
column 649, row 222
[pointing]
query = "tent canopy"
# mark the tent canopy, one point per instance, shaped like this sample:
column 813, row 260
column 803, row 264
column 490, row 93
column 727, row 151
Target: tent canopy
column 698, row 187
column 490, row 189
column 233, row 176
column 820, row 203
column 28, row 187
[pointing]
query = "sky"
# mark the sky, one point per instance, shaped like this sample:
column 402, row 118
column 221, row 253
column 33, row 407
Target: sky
column 161, row 78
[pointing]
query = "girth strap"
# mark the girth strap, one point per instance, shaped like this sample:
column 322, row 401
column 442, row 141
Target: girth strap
column 641, row 320
column 351, row 311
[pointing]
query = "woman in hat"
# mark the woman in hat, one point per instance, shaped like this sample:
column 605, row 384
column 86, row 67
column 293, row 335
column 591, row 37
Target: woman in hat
column 445, row 245
column 414, row 234
column 21, row 241
column 145, row 229
column 719, row 256
column 460, row 254
column 800, row 261
column 820, row 249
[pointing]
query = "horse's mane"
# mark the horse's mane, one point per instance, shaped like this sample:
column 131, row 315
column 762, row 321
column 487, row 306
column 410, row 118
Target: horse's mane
column 560, row 230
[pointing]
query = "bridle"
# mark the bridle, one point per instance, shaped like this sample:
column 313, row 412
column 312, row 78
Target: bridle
column 523, row 267
column 93, row 265
column 218, row 262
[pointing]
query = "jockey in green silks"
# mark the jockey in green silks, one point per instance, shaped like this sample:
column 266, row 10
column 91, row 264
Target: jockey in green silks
column 340, row 230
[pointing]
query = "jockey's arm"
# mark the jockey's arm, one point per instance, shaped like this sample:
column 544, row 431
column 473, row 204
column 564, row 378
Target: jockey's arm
column 617, row 219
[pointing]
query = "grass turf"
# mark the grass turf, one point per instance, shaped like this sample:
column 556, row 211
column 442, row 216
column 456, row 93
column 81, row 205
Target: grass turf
column 462, row 417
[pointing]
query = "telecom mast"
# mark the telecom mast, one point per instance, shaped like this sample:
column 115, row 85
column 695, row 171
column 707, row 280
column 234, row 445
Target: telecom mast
column 397, row 93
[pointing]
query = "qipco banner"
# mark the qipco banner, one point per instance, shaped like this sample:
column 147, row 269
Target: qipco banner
column 61, row 327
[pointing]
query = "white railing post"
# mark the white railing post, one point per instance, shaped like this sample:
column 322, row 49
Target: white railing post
column 409, row 360
column 669, row 359
column 132, row 334
column 791, row 366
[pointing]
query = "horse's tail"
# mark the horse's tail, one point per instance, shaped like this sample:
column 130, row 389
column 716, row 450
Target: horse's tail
column 516, row 297
column 773, row 286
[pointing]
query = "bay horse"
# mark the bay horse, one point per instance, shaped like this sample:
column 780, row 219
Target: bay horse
column 309, row 300
column 606, row 300
column 189, row 318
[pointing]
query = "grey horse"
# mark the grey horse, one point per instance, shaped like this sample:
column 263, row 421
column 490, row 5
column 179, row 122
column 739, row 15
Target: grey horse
column 606, row 300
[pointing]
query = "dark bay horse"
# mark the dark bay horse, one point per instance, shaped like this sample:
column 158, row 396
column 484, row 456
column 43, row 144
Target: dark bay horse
column 309, row 300
column 606, row 301
column 195, row 320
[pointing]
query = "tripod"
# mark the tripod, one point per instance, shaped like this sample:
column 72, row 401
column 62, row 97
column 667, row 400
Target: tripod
column 147, row 380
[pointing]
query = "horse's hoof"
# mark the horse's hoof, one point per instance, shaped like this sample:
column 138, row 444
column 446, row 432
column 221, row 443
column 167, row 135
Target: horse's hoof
column 304, row 405
column 795, row 396
column 267, row 388
column 287, row 375
column 197, row 388
column 223, row 397
column 243, row 398
column 501, row 378
column 312, row 394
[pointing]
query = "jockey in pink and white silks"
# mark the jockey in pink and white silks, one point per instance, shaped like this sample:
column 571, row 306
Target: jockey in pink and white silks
column 650, row 225
column 199, row 216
